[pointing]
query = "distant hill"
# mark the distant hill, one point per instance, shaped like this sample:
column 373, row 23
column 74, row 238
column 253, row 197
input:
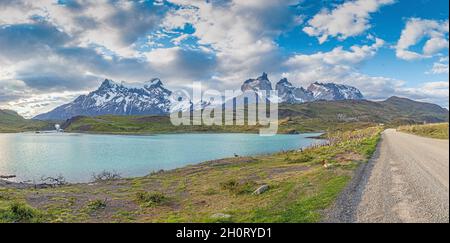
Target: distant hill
column 392, row 110
column 422, row 111
column 10, row 121
column 9, row 117
column 311, row 116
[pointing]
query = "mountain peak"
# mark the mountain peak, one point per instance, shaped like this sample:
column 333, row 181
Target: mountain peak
column 283, row 82
column 112, row 98
column 258, row 84
column 332, row 91
column 153, row 83
column 264, row 76
column 108, row 83
column 290, row 94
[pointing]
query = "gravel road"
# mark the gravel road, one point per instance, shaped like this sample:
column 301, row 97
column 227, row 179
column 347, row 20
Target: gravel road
column 406, row 181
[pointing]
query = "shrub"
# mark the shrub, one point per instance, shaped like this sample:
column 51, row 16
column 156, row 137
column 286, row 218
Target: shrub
column 237, row 188
column 54, row 181
column 105, row 176
column 20, row 213
column 303, row 157
column 210, row 191
column 96, row 205
column 4, row 196
column 150, row 199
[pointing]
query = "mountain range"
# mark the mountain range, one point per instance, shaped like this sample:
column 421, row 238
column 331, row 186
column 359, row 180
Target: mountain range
column 293, row 118
column 153, row 98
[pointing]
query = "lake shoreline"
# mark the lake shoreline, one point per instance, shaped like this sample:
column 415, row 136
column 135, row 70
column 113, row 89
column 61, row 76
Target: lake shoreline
column 157, row 152
column 301, row 185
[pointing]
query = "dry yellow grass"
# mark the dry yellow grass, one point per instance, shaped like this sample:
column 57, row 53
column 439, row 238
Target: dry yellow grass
column 436, row 130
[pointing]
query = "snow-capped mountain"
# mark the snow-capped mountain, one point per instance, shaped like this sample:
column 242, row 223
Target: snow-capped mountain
column 116, row 99
column 153, row 98
column 261, row 83
column 288, row 93
column 293, row 95
column 332, row 91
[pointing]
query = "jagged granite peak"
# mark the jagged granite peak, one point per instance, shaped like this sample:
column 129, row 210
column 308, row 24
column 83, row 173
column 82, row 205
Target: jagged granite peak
column 113, row 98
column 287, row 93
column 152, row 98
column 155, row 82
column 332, row 91
column 261, row 83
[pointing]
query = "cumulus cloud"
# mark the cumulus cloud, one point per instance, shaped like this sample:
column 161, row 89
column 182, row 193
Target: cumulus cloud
column 351, row 18
column 433, row 31
column 53, row 51
column 31, row 104
column 340, row 66
column 25, row 41
column 239, row 32
column 433, row 92
column 334, row 65
column 116, row 25
column 41, row 56
column 182, row 66
column 18, row 96
column 440, row 67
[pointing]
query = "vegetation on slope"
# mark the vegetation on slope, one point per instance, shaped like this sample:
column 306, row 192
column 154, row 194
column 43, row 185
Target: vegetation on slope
column 10, row 121
column 307, row 117
column 161, row 124
column 301, row 184
column 437, row 130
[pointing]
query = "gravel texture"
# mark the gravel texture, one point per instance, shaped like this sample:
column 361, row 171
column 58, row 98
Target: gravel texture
column 407, row 180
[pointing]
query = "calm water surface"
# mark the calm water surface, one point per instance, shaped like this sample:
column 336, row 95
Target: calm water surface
column 30, row 156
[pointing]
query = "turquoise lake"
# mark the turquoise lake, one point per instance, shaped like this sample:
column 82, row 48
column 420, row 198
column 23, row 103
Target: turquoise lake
column 30, row 156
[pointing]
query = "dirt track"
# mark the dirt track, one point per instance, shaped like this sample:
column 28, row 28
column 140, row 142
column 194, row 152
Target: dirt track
column 406, row 181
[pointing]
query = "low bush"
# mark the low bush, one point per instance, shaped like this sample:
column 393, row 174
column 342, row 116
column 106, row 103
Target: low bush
column 18, row 212
column 150, row 199
column 106, row 176
column 237, row 188
column 95, row 205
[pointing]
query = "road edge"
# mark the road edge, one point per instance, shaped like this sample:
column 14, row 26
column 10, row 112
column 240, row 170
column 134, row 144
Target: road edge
column 344, row 209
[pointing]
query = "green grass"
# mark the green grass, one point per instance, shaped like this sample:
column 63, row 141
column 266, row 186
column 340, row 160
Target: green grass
column 308, row 117
column 151, row 199
column 238, row 188
column 299, row 189
column 148, row 125
column 306, row 208
column 439, row 130
column 18, row 212
column 95, row 205
column 11, row 122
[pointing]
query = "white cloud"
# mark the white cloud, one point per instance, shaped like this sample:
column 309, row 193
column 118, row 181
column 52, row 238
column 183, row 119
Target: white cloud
column 70, row 48
column 115, row 25
column 416, row 30
column 34, row 103
column 351, row 18
column 333, row 66
column 434, row 45
column 340, row 66
column 433, row 92
column 240, row 32
column 440, row 67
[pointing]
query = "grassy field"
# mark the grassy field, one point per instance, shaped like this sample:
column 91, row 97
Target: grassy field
column 11, row 122
column 438, row 130
column 161, row 124
column 301, row 184
column 307, row 117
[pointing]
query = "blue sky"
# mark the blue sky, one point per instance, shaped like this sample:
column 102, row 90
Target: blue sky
column 52, row 51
